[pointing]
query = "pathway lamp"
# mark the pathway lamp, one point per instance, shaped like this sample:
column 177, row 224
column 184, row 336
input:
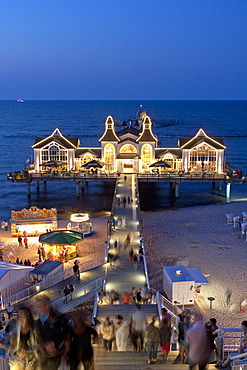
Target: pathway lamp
column 211, row 299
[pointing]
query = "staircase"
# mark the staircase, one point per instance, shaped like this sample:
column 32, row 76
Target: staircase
column 136, row 360
column 125, row 310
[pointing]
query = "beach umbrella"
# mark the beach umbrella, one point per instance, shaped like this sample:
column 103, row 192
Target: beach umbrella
column 53, row 164
column 160, row 164
column 93, row 164
column 65, row 237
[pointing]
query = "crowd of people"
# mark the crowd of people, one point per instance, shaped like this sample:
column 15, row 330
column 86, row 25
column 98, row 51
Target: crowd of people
column 50, row 342
column 134, row 296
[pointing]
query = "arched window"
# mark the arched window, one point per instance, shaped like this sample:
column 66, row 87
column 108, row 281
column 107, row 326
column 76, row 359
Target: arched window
column 109, row 152
column 203, row 158
column 128, row 148
column 87, row 158
column 54, row 153
column 146, row 155
column 168, row 158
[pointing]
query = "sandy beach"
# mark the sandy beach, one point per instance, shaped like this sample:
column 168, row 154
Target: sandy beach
column 200, row 238
column 92, row 247
column 196, row 237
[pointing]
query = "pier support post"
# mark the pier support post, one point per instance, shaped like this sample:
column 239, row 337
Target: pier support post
column 213, row 185
column 219, row 186
column 82, row 184
column 228, row 190
column 176, row 190
column 29, row 189
column 77, row 189
column 37, row 185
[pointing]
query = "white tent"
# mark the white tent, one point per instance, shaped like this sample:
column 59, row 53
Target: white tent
column 13, row 278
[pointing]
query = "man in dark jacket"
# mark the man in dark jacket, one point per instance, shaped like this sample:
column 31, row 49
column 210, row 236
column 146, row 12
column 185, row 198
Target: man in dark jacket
column 54, row 333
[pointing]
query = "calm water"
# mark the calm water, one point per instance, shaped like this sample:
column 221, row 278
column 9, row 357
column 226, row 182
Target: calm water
column 22, row 123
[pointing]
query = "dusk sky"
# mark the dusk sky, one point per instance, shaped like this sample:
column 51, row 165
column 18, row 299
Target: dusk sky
column 131, row 49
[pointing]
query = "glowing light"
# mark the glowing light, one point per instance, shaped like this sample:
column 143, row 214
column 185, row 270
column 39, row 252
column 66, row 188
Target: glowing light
column 79, row 217
column 178, row 272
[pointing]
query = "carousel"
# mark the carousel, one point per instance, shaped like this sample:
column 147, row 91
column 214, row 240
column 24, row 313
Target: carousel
column 80, row 222
column 61, row 245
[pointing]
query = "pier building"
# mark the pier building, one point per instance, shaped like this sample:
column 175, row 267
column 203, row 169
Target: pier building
column 133, row 148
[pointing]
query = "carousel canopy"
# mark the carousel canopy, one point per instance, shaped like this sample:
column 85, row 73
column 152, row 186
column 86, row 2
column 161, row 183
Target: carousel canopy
column 93, row 164
column 79, row 217
column 160, row 164
column 65, row 237
column 53, row 164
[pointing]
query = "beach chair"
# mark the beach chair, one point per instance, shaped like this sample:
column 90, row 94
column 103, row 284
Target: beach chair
column 244, row 227
column 236, row 221
column 239, row 361
column 244, row 215
column 229, row 218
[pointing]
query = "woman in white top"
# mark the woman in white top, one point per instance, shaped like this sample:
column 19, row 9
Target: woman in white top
column 122, row 333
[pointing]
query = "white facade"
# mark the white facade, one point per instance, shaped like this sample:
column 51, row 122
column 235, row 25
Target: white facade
column 132, row 149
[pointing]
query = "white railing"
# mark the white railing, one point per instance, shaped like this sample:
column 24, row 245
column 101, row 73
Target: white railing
column 164, row 302
column 53, row 280
column 79, row 295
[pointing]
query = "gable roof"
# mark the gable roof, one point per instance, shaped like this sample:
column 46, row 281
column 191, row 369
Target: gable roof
column 160, row 152
column 109, row 134
column 146, row 134
column 94, row 151
column 128, row 130
column 56, row 136
column 199, row 138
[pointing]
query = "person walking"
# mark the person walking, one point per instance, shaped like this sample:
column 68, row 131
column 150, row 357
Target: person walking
column 126, row 298
column 53, row 329
column 122, row 333
column 153, row 338
column 20, row 241
column 179, row 321
column 9, row 310
column 107, row 333
column 6, row 225
column 138, row 321
column 146, row 294
column 125, row 178
column 66, row 292
column 199, row 344
column 124, row 201
column 25, row 242
column 76, row 271
column 135, row 262
column 131, row 254
column 39, row 253
column 81, row 350
column 43, row 253
column 165, row 337
column 25, row 350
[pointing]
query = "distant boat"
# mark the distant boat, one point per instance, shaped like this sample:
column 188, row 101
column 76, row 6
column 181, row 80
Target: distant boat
column 20, row 101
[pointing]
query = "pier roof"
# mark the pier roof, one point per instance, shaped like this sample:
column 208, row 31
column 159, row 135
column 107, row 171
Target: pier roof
column 94, row 151
column 128, row 130
column 160, row 152
column 56, row 136
column 109, row 134
column 147, row 134
column 200, row 137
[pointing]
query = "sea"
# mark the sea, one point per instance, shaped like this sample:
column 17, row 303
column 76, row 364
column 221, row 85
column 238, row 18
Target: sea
column 21, row 123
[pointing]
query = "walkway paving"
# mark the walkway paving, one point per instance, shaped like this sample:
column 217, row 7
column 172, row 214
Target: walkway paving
column 123, row 277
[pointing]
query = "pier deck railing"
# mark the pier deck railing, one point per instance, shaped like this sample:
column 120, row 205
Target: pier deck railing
column 79, row 296
column 53, row 280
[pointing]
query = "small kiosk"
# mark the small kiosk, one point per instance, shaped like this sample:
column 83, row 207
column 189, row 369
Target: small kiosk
column 61, row 245
column 33, row 221
column 180, row 284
